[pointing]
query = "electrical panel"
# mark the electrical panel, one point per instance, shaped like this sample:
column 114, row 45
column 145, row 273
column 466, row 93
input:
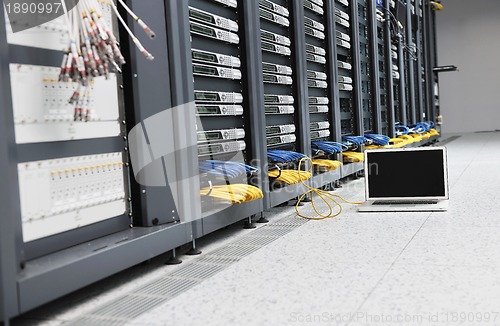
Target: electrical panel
column 345, row 67
column 278, row 74
column 317, row 78
column 52, row 35
column 42, row 112
column 64, row 194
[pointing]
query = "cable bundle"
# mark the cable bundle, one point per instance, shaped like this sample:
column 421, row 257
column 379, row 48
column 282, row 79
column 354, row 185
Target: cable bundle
column 236, row 194
column 328, row 164
column 398, row 142
column 325, row 196
column 93, row 47
column 379, row 140
column 352, row 157
column 402, row 130
column 281, row 156
column 226, row 169
column 434, row 132
column 329, row 147
column 357, row 140
column 290, row 176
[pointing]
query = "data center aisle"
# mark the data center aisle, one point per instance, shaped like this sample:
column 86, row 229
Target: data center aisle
column 360, row 269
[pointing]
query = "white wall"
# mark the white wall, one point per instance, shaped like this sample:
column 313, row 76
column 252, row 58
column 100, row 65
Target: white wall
column 468, row 35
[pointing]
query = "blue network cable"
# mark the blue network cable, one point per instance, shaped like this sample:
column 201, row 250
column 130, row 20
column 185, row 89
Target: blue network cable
column 226, row 169
column 356, row 140
column 380, row 140
column 329, row 147
column 401, row 129
column 281, row 156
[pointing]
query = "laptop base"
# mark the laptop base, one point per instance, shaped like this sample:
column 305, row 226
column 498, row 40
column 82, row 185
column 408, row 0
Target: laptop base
column 373, row 206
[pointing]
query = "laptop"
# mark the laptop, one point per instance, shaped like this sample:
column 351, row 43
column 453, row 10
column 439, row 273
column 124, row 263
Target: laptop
column 406, row 180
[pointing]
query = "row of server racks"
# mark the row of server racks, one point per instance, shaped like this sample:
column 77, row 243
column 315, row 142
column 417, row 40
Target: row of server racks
column 231, row 80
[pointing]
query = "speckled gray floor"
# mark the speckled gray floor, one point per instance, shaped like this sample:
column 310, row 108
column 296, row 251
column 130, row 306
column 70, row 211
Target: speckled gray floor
column 358, row 269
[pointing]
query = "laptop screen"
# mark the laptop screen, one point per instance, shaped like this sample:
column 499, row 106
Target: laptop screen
column 419, row 173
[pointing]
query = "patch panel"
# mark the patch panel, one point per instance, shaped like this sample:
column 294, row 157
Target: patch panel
column 52, row 35
column 42, row 112
column 63, row 194
column 317, row 2
column 223, row 134
column 344, row 2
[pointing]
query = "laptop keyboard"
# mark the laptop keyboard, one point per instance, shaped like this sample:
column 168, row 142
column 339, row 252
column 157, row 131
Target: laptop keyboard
column 379, row 202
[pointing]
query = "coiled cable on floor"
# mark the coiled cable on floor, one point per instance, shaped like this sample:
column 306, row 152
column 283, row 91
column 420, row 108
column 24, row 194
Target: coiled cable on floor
column 329, row 199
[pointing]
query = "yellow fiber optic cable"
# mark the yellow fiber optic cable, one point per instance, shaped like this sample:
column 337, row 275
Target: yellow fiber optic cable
column 329, row 164
column 328, row 198
column 350, row 157
column 235, row 193
column 290, row 176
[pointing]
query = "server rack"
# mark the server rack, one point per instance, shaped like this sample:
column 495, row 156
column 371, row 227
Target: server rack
column 224, row 64
column 282, row 35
